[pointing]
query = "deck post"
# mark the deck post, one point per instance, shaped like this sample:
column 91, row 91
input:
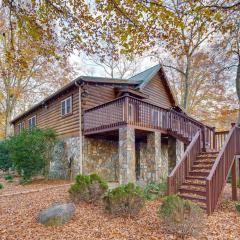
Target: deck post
column 234, row 181
column 203, row 139
column 214, row 138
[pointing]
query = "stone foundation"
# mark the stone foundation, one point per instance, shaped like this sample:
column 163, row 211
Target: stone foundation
column 66, row 159
column 120, row 161
column 101, row 156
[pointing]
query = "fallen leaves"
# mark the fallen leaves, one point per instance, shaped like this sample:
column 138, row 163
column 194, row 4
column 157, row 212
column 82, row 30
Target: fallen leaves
column 91, row 222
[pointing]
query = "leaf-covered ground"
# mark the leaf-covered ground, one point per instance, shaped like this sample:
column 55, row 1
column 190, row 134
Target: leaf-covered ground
column 18, row 212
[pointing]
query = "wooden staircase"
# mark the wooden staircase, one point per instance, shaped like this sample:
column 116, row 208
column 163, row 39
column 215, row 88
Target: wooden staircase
column 201, row 175
column 194, row 187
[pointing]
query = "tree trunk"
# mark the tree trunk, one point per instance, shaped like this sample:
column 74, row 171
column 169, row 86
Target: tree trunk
column 186, row 84
column 10, row 105
column 238, row 88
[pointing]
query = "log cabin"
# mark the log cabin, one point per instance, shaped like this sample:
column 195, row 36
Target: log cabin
column 132, row 130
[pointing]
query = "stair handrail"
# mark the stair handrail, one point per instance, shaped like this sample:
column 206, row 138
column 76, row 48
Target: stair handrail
column 182, row 168
column 217, row 177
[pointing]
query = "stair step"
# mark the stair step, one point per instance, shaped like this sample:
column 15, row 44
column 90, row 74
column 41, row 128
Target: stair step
column 199, row 167
column 209, row 158
column 193, row 197
column 196, row 178
column 200, row 192
column 197, row 173
column 195, row 182
column 193, row 187
column 207, row 155
column 204, row 161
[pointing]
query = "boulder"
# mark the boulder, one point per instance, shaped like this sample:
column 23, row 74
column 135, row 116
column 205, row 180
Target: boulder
column 57, row 214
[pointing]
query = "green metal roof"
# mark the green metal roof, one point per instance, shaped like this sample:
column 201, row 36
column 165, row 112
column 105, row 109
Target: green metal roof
column 145, row 75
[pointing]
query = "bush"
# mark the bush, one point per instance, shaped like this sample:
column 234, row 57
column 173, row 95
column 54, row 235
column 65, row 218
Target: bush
column 5, row 160
column 181, row 217
column 124, row 200
column 88, row 188
column 1, row 186
column 8, row 178
column 31, row 152
column 237, row 205
column 155, row 190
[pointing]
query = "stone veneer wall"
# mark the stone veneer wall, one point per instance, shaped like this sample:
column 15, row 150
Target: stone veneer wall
column 101, row 156
column 153, row 159
column 66, row 159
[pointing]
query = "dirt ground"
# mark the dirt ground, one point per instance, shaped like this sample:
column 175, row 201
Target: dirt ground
column 18, row 213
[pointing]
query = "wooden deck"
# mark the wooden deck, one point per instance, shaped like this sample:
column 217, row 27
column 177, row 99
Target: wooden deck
column 141, row 115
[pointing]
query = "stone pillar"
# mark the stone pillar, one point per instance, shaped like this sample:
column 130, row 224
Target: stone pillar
column 164, row 161
column 175, row 152
column 154, row 156
column 179, row 150
column 171, row 153
column 127, row 158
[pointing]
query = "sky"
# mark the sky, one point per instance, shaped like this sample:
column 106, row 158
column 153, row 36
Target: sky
column 89, row 68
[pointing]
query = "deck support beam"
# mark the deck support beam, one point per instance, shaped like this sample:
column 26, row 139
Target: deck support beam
column 234, row 181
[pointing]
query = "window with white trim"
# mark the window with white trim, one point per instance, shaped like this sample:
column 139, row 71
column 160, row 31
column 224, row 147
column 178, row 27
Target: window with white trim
column 20, row 127
column 32, row 122
column 66, row 106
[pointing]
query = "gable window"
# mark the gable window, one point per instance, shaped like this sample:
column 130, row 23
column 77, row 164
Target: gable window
column 20, row 127
column 66, row 106
column 32, row 122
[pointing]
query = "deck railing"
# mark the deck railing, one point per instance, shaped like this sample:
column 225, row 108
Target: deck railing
column 217, row 177
column 220, row 138
column 135, row 112
column 179, row 173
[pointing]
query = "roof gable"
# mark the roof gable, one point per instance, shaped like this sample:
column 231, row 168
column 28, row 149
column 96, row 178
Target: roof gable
column 148, row 74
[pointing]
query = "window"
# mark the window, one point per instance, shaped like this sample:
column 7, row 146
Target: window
column 20, row 127
column 32, row 122
column 66, row 106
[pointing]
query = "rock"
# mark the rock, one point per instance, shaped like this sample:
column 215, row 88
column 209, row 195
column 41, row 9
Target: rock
column 56, row 214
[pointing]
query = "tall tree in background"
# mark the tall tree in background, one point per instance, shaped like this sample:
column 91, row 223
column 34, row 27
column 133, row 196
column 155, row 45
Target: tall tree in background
column 180, row 27
column 121, row 67
column 34, row 35
column 28, row 49
column 210, row 89
column 53, row 29
column 230, row 46
column 183, row 28
column 19, row 63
